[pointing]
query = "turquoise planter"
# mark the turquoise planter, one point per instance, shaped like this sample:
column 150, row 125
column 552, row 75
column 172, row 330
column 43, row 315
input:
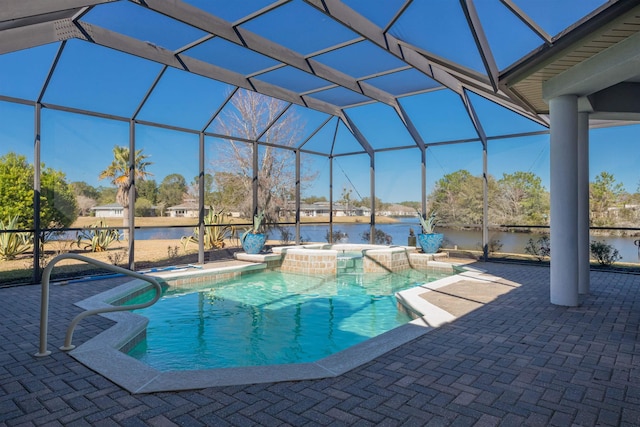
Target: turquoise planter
column 430, row 243
column 253, row 243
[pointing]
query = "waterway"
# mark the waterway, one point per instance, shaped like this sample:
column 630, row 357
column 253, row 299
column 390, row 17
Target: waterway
column 512, row 242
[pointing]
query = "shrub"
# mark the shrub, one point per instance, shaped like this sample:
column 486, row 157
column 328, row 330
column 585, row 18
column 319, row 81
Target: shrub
column 118, row 257
column 540, row 248
column 97, row 238
column 285, row 236
column 336, row 237
column 172, row 251
column 13, row 243
column 494, row 245
column 604, row 253
column 380, row 237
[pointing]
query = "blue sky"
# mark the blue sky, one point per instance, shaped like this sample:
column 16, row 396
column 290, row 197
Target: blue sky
column 92, row 77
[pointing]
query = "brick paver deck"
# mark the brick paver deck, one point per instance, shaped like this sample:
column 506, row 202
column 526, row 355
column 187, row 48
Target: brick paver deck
column 516, row 361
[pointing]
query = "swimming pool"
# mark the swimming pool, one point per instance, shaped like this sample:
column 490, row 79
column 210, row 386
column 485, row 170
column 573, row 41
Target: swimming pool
column 271, row 317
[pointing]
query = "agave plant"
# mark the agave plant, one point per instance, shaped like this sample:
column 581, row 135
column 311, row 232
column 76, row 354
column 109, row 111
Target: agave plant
column 215, row 231
column 257, row 225
column 97, row 238
column 429, row 224
column 13, row 243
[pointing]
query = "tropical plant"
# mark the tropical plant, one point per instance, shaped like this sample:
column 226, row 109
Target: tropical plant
column 604, row 253
column 97, row 237
column 428, row 224
column 118, row 172
column 13, row 243
column 215, row 231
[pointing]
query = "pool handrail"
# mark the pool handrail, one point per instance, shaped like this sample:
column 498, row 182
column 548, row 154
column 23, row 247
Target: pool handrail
column 44, row 300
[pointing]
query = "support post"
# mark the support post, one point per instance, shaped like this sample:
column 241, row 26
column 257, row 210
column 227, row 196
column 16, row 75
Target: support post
column 372, row 178
column 298, row 194
column 201, row 231
column 132, row 194
column 254, row 182
column 331, row 199
column 583, row 204
column 36, row 192
column 564, row 200
column 423, row 167
column 485, row 203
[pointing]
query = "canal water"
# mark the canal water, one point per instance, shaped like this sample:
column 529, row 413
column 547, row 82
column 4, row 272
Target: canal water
column 399, row 231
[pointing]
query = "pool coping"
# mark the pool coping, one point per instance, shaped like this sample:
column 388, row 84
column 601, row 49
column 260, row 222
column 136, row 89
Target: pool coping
column 102, row 353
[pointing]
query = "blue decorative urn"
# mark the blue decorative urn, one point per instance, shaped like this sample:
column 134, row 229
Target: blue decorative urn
column 430, row 243
column 253, row 243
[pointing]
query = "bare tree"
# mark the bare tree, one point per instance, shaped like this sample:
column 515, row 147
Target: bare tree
column 85, row 204
column 250, row 116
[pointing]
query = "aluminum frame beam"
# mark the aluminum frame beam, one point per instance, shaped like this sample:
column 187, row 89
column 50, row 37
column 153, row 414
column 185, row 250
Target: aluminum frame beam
column 19, row 38
column 110, row 39
column 481, row 41
column 357, row 134
column 21, row 9
column 444, row 72
column 372, row 171
column 533, row 26
column 449, row 74
column 195, row 17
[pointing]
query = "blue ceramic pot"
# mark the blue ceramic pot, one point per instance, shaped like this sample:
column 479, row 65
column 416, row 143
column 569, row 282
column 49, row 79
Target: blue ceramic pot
column 430, row 243
column 253, row 243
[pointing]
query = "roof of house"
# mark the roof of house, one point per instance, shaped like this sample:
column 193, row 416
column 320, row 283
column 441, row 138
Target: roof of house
column 106, row 207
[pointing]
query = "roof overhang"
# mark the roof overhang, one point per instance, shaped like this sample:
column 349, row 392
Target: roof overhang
column 598, row 60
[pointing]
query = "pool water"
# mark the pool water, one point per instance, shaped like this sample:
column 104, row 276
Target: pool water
column 271, row 318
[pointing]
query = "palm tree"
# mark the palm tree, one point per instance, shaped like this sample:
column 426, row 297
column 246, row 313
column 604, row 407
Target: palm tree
column 118, row 172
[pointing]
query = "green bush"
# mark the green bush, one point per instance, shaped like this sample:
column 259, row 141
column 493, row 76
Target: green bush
column 604, row 253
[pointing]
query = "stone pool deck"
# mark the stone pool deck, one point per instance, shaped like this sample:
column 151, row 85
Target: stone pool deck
column 510, row 358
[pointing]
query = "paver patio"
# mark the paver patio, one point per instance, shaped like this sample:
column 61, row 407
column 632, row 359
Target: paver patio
column 516, row 360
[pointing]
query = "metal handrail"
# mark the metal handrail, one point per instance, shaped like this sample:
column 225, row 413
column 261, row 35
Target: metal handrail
column 44, row 302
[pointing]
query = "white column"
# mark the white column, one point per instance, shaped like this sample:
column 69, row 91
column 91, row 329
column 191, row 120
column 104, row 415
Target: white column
column 583, row 204
column 564, row 200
